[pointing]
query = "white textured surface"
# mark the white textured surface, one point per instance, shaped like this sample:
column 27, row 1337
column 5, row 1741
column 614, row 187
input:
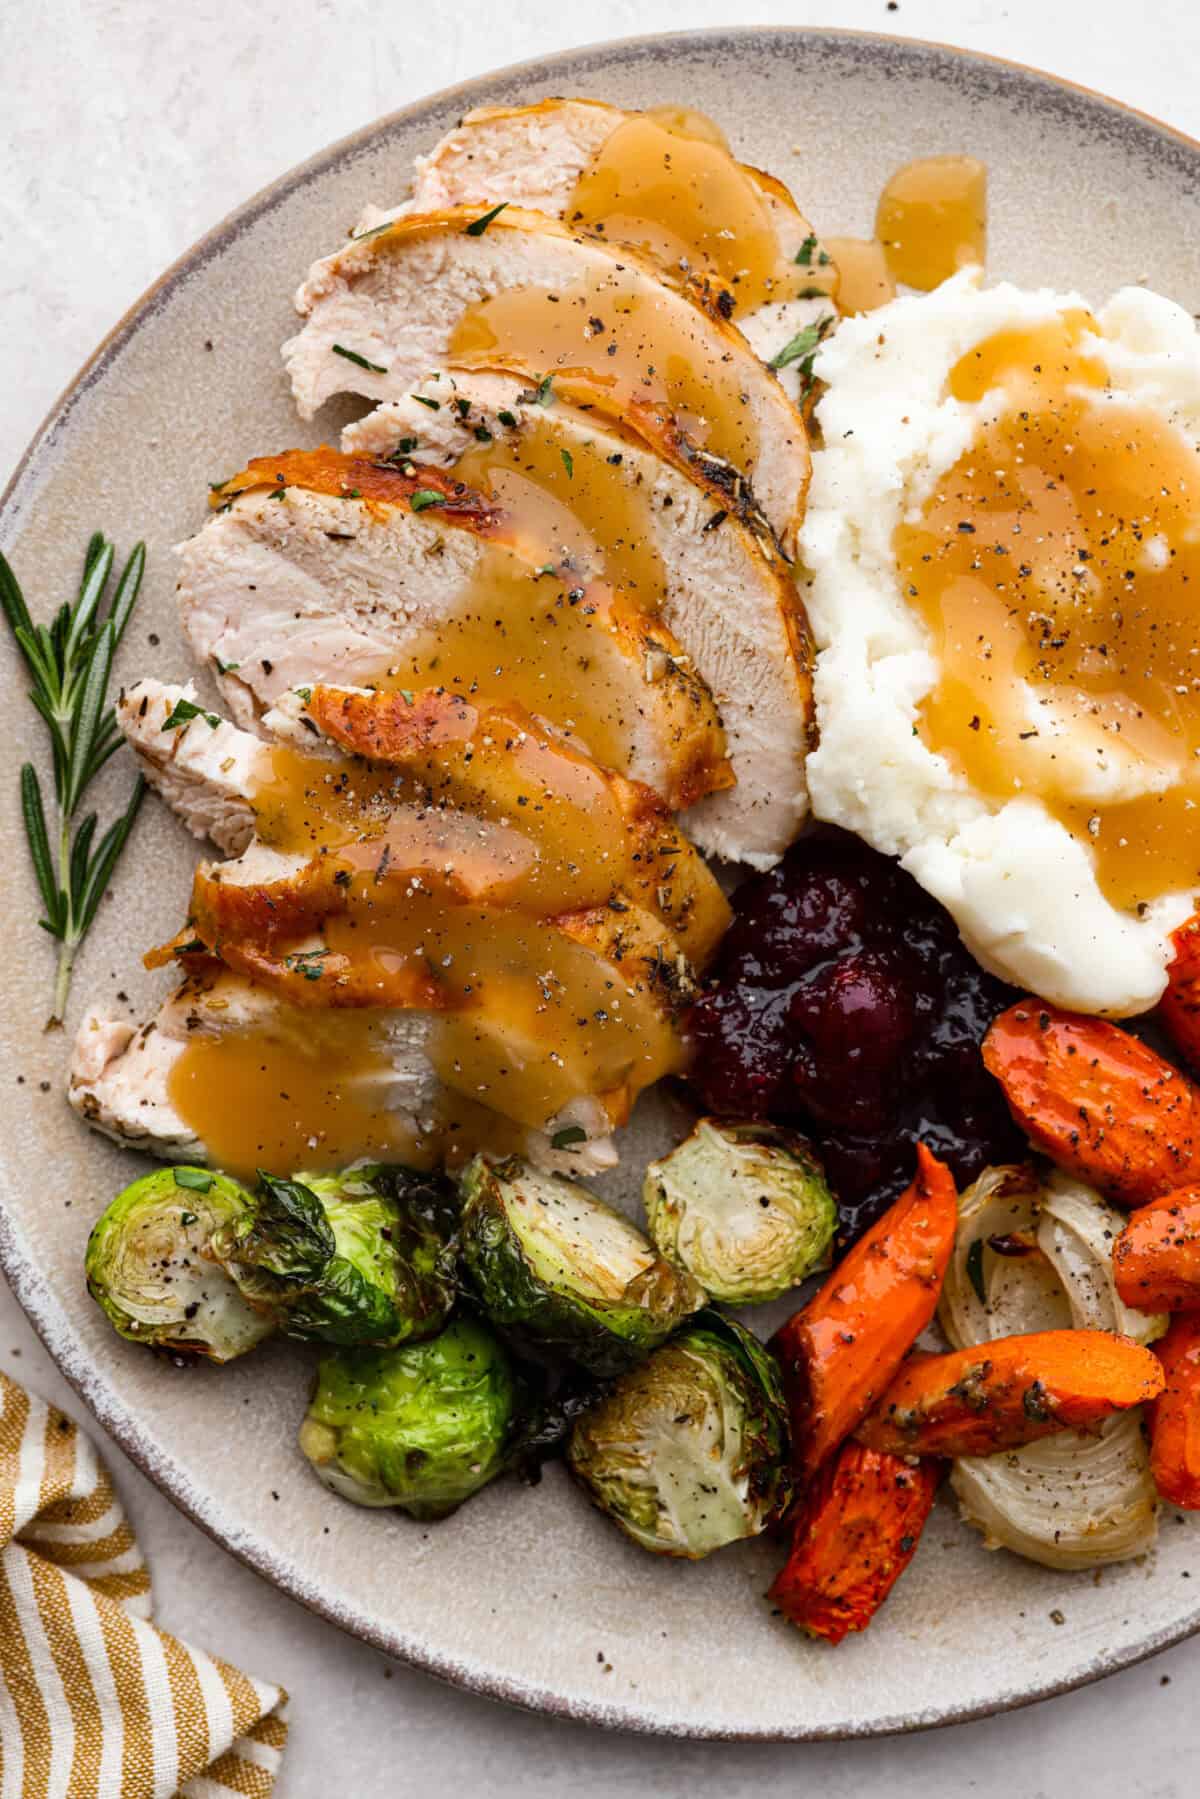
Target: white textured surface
column 129, row 129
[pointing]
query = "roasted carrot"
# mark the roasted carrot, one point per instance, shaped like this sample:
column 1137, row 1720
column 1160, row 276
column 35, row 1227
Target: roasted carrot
column 839, row 1353
column 1175, row 1415
column 1179, row 1007
column 1156, row 1259
column 1097, row 1101
column 853, row 1536
column 1001, row 1394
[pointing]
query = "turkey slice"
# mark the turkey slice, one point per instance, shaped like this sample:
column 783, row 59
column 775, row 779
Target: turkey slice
column 572, row 315
column 325, row 567
column 534, row 157
column 724, row 591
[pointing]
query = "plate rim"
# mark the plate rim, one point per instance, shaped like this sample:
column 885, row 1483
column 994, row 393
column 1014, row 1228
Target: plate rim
column 31, row 1289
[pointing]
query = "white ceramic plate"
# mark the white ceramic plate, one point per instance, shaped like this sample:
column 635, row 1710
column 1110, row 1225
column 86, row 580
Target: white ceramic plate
column 530, row 1595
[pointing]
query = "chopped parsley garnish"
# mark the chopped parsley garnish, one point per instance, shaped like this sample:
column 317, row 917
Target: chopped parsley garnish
column 568, row 1137
column 225, row 668
column 196, row 1178
column 307, row 963
column 477, row 227
column 804, row 254
column 803, row 344
column 376, row 368
column 568, row 464
column 184, row 711
column 802, row 350
column 543, row 395
column 426, row 496
column 424, row 400
column 507, row 418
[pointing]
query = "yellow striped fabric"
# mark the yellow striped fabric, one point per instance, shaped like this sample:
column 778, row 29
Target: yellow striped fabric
column 95, row 1702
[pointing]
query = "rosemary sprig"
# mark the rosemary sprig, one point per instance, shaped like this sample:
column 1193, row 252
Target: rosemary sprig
column 71, row 661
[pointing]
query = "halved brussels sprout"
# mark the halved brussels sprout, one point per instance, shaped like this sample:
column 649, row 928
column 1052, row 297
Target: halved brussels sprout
column 360, row 1257
column 421, row 1427
column 562, row 1272
column 148, row 1264
column 1034, row 1253
column 743, row 1207
column 690, row 1451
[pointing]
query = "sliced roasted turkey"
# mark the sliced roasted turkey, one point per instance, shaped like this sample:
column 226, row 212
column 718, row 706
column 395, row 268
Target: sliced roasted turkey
column 121, row 1076
column 603, row 325
column 532, row 917
column 324, row 567
column 485, row 801
column 718, row 582
column 666, row 196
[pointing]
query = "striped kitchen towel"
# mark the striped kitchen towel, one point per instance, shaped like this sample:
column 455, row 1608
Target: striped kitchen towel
column 95, row 1702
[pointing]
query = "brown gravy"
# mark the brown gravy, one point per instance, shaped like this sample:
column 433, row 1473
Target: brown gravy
column 1057, row 569
column 931, row 219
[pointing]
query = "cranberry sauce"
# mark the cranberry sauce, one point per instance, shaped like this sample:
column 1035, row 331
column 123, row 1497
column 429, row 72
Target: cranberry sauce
column 844, row 1002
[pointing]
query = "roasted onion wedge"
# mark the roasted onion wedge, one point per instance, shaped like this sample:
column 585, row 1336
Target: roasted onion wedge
column 1033, row 1253
column 1068, row 1501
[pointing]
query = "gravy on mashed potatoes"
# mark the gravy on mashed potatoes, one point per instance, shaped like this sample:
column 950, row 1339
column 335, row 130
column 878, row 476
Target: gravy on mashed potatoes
column 1003, row 541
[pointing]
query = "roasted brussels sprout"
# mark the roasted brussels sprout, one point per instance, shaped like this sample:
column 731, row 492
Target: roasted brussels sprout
column 360, row 1257
column 562, row 1273
column 690, row 1450
column 148, row 1264
column 743, row 1207
column 421, row 1427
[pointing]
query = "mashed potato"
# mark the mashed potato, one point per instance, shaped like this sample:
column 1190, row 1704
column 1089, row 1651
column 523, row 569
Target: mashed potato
column 1023, row 888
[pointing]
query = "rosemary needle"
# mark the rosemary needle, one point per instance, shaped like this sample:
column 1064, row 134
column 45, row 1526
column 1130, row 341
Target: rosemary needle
column 71, row 661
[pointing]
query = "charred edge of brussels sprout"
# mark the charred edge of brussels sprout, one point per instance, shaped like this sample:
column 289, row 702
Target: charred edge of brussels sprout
column 429, row 1198
column 283, row 1244
column 544, row 1320
column 364, row 1257
column 551, row 1399
column 744, row 1348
